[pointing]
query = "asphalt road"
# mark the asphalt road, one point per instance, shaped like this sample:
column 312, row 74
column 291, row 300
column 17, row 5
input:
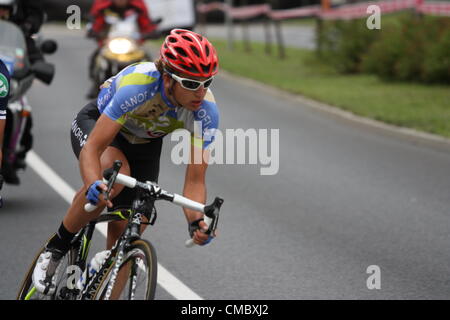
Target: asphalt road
column 344, row 198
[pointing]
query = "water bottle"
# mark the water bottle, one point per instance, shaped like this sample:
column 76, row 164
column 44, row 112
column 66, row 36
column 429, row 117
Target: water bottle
column 92, row 268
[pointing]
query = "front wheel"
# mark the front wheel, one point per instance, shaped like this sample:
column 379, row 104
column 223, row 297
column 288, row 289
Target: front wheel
column 136, row 277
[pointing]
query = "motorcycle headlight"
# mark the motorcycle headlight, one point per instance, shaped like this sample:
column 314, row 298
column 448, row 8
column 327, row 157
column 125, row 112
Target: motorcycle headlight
column 120, row 46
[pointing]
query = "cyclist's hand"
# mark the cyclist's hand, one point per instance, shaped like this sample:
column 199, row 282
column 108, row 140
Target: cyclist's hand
column 197, row 231
column 95, row 193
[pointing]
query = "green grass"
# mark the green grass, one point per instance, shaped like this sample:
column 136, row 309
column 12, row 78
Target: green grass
column 418, row 106
column 388, row 18
column 311, row 22
column 422, row 107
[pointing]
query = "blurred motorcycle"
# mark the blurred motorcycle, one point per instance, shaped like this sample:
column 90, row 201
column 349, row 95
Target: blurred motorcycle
column 17, row 137
column 123, row 46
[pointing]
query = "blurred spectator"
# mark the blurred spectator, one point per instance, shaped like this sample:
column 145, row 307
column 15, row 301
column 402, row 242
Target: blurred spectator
column 100, row 10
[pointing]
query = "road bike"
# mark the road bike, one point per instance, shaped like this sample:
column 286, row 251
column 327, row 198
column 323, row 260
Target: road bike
column 129, row 270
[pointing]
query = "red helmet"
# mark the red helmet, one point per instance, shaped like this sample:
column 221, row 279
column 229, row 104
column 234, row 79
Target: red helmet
column 190, row 53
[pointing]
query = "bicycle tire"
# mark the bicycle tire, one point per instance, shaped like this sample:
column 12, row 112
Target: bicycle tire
column 27, row 281
column 27, row 290
column 139, row 249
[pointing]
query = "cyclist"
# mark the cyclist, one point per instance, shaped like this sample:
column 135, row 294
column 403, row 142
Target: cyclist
column 4, row 95
column 100, row 10
column 134, row 110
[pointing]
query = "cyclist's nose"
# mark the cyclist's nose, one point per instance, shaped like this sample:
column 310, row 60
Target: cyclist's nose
column 200, row 92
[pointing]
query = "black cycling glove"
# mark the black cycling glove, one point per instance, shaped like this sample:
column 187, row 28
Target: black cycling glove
column 194, row 226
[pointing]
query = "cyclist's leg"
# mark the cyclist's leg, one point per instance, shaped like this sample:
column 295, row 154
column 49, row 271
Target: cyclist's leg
column 144, row 166
column 81, row 127
column 76, row 218
column 115, row 230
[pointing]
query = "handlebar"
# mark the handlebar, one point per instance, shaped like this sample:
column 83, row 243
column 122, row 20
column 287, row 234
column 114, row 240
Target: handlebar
column 211, row 211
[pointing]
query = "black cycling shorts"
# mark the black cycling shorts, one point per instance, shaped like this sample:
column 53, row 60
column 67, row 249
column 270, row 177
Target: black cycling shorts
column 142, row 158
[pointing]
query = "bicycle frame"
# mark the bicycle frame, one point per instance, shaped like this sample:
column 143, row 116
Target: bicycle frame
column 79, row 247
column 131, row 233
column 145, row 193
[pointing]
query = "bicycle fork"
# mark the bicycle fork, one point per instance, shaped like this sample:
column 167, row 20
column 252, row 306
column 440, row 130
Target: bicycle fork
column 131, row 234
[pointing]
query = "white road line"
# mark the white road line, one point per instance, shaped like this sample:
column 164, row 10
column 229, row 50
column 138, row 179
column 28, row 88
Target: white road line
column 165, row 279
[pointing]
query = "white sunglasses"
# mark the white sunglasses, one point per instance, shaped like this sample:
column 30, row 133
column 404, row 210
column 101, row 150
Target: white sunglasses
column 190, row 84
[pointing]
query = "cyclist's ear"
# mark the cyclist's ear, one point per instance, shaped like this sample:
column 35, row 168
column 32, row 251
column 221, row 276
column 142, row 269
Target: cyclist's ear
column 168, row 83
column 167, row 80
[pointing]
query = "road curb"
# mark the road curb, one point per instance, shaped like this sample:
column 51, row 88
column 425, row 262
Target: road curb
column 415, row 136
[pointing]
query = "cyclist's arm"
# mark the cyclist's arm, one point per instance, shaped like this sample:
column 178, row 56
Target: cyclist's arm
column 195, row 188
column 106, row 128
column 100, row 138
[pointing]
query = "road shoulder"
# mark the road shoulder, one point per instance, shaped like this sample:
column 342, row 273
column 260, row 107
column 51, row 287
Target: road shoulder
column 411, row 135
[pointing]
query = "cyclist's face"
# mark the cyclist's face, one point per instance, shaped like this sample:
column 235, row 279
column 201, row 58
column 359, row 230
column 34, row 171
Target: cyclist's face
column 189, row 99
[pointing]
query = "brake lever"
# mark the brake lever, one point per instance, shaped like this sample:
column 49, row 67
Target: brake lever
column 212, row 212
column 211, row 219
column 112, row 178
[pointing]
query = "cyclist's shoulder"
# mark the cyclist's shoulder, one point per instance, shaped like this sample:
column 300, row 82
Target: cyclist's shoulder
column 208, row 106
column 133, row 86
column 209, row 96
column 208, row 112
column 138, row 74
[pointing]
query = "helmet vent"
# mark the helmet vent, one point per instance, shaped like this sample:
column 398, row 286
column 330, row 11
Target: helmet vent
column 205, row 68
column 173, row 39
column 207, row 50
column 170, row 55
column 191, row 69
column 187, row 38
column 181, row 51
column 195, row 50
